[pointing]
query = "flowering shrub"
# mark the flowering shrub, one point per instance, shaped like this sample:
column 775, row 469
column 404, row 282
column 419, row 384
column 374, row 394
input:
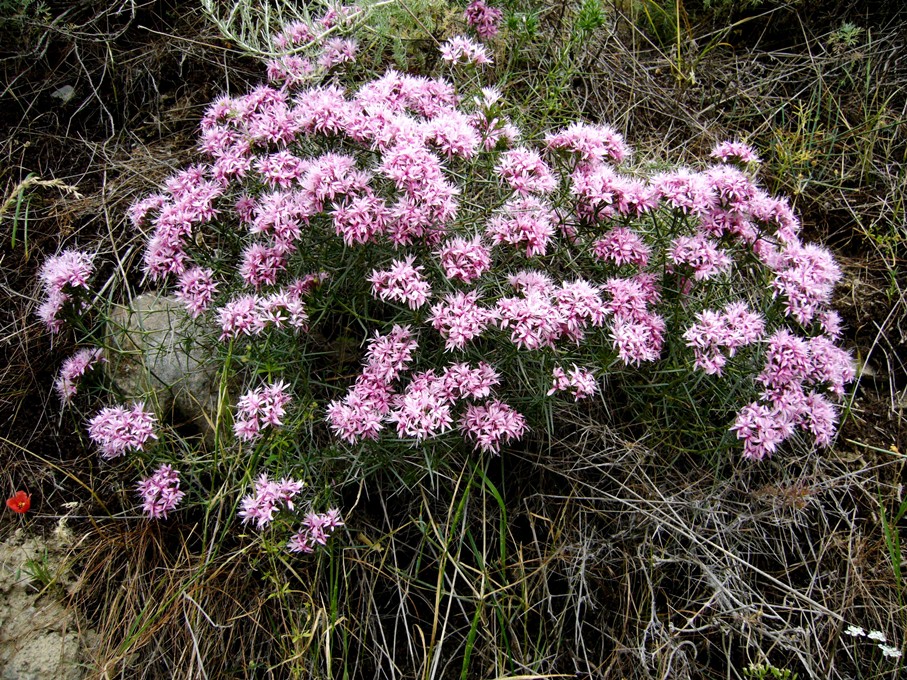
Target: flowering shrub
column 475, row 267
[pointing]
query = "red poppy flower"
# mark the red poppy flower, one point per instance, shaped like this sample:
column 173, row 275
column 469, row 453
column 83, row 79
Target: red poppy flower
column 20, row 503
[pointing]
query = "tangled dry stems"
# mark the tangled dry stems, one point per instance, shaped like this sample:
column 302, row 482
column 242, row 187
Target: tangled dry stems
column 616, row 564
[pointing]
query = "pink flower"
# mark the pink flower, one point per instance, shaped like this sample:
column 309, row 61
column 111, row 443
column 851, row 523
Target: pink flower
column 315, row 530
column 361, row 412
column 787, row 360
column 462, row 50
column 629, row 298
column 684, row 190
column 160, row 493
column 401, row 283
column 322, row 110
column 733, row 188
column 775, row 215
column 638, row 341
column 261, row 264
column 525, row 172
column 491, row 424
column 603, row 194
column 465, row 260
column 820, row 417
column 452, row 133
column 530, row 282
column 264, row 502
column 389, row 355
column 461, row 380
column 622, row 246
column 735, row 151
column 337, row 51
column 240, row 317
column 138, row 211
column 281, row 169
column 805, row 276
column 762, row 429
column 459, row 319
column 734, row 328
column 412, row 168
column 196, row 290
column 280, row 214
column 164, row 255
column 580, row 382
column 483, row 19
column 73, row 369
column 260, row 408
column 524, row 222
column 579, row 304
column 700, row 254
column 358, row 415
column 829, row 365
column 359, row 219
column 534, row 321
column 422, row 410
column 71, row 268
column 592, row 144
column 118, row 429
column 59, row 275
column 291, row 71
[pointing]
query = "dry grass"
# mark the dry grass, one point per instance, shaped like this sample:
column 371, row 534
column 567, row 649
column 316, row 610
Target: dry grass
column 589, row 556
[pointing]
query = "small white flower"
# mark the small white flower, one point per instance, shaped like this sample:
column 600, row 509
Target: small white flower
column 855, row 631
column 876, row 635
column 893, row 652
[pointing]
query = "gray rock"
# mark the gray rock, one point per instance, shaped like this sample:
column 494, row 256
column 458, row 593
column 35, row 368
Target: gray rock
column 158, row 354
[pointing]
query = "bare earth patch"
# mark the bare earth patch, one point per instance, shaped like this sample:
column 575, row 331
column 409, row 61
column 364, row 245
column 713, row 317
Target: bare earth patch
column 39, row 638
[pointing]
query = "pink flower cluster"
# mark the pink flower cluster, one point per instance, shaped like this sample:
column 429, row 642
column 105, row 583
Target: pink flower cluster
column 795, row 370
column 260, row 408
column 384, row 165
column 402, row 282
column 186, row 203
column 464, row 260
column 264, row 502
column 729, row 330
column 253, row 314
column 525, row 172
column 592, row 145
column 491, row 122
column 160, row 493
column 117, row 429
column 525, row 223
column 580, row 382
column 361, row 412
column 491, row 424
column 459, row 318
column 805, row 275
column 602, row 194
column 700, row 255
column 544, row 313
column 59, row 275
column 425, row 406
column 316, row 530
column 299, row 37
column 735, row 151
column 73, row 369
column 622, row 246
column 483, row 19
column 197, row 289
column 462, row 50
column 636, row 332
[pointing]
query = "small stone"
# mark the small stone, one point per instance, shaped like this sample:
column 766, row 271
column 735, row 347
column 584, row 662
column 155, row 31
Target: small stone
column 158, row 354
column 64, row 94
